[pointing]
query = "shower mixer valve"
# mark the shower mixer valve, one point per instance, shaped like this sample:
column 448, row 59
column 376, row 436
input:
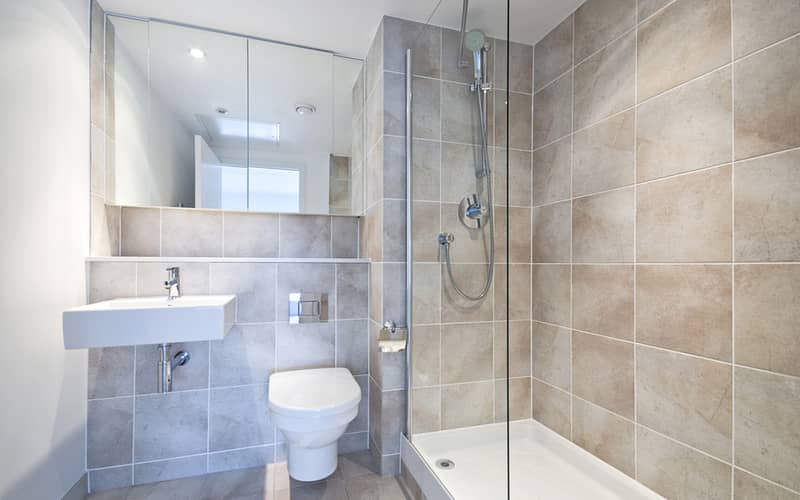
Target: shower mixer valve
column 472, row 212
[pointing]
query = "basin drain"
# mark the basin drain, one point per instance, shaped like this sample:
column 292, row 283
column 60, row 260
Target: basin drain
column 445, row 463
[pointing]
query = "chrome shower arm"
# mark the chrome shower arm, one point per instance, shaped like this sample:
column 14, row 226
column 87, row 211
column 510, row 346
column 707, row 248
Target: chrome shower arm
column 461, row 62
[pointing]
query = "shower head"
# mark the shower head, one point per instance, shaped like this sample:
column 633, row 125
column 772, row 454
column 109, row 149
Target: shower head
column 475, row 42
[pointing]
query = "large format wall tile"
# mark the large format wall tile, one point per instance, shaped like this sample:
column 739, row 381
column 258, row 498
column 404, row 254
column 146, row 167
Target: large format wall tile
column 685, row 218
column 550, row 354
column 551, row 172
column 602, row 227
column 307, row 278
column 303, row 346
column 551, row 407
column 598, row 22
column 426, row 352
column 164, row 470
column 749, row 487
column 602, row 372
column 678, row 472
column 550, row 290
column 517, row 394
column 109, row 432
column 604, row 83
column 140, row 231
column 686, row 398
column 519, row 109
column 758, row 23
column 602, row 300
column 254, row 286
column 767, row 437
column 767, row 208
column 553, row 117
column 426, row 406
column 519, row 289
column 110, row 372
column 685, row 308
column 685, row 40
column 604, row 434
column 423, row 39
column 519, row 189
column 252, row 235
column 190, row 233
column 465, row 405
column 519, row 349
column 552, row 233
column 553, row 54
column 305, row 236
column 686, row 129
column 603, row 156
column 245, row 356
column 171, row 425
column 768, row 317
column 466, row 352
column 521, row 66
column 352, row 282
column 766, row 107
column 239, row 417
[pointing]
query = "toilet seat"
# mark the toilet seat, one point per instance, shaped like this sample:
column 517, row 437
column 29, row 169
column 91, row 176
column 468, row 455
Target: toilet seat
column 326, row 392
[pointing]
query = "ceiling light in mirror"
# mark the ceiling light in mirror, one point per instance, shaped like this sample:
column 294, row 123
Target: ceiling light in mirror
column 197, row 53
column 305, row 109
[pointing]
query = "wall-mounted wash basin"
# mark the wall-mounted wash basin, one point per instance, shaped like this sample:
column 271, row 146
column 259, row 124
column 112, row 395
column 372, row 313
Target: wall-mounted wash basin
column 149, row 320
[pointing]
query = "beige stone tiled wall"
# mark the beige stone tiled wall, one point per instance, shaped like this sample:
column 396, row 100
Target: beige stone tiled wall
column 458, row 347
column 665, row 242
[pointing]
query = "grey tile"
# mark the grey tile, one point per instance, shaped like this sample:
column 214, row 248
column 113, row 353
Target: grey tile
column 171, row 425
column 518, row 288
column 551, row 407
column 111, row 280
column 460, row 118
column 426, row 406
column 394, row 231
column 394, row 293
column 241, row 459
column 427, row 293
column 602, row 300
column 239, row 417
column 328, row 490
column 604, row 83
column 466, row 352
column 374, row 117
column 344, row 231
column 550, row 294
column 604, row 155
column 105, row 228
column 603, row 372
column 254, row 286
column 686, row 129
column 109, row 432
column 686, row 398
column 749, row 487
column 685, row 218
column 360, row 423
column 767, row 411
column 456, row 309
column 597, row 22
column 551, row 232
column 518, row 223
column 110, row 372
column 305, row 236
column 309, row 345
column 192, row 375
column 604, row 435
column 191, row 233
column 373, row 65
column 393, row 411
column 450, row 69
column 391, row 370
column 603, row 227
column 758, row 23
column 110, row 478
column 426, row 352
column 519, row 189
column 394, row 110
column 553, row 54
column 465, row 405
column 166, row 470
column 245, row 356
column 649, row 7
column 661, row 460
column 550, row 349
column 141, row 229
column 768, row 317
column 250, row 235
column 426, row 165
column 352, row 281
column 459, row 163
column 352, row 345
column 685, row 308
column 521, row 69
column 425, row 231
column 685, row 40
column 520, row 111
column 551, row 172
column 425, row 109
column 518, row 394
column 423, row 39
column 150, row 278
column 767, row 208
column 552, row 117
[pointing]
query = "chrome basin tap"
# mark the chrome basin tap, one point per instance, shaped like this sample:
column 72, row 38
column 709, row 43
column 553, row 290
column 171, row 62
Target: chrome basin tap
column 173, row 283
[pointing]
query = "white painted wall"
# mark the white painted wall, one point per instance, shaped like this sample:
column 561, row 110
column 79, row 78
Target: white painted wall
column 44, row 221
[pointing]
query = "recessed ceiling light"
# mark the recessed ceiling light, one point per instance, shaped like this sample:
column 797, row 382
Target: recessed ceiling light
column 305, row 109
column 222, row 111
column 197, row 53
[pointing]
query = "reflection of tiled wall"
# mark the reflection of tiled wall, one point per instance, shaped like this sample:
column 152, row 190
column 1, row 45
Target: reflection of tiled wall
column 104, row 218
column 216, row 418
column 666, row 240
column 340, row 197
column 458, row 347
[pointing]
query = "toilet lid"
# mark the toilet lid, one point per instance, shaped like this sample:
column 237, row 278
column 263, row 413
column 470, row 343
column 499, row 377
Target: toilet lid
column 317, row 391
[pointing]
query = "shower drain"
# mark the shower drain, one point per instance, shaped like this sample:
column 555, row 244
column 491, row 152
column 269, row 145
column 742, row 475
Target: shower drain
column 445, row 463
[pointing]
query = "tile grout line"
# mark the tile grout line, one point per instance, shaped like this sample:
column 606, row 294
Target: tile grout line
column 733, row 259
column 571, row 236
column 635, row 241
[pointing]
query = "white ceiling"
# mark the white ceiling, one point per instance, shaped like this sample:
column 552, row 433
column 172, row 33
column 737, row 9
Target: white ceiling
column 347, row 26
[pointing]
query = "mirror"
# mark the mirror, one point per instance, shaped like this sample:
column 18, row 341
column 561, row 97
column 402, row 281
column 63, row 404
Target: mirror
column 218, row 121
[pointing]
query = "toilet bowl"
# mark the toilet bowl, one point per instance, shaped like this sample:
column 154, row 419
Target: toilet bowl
column 312, row 409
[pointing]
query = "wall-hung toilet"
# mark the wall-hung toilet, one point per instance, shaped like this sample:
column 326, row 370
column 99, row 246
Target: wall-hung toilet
column 312, row 409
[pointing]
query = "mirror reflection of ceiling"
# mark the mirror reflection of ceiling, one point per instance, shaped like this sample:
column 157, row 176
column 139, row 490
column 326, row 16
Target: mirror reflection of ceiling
column 347, row 26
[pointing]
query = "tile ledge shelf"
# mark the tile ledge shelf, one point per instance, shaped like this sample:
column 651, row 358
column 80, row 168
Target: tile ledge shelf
column 312, row 260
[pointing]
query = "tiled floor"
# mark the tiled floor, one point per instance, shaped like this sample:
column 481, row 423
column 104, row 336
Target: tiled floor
column 353, row 480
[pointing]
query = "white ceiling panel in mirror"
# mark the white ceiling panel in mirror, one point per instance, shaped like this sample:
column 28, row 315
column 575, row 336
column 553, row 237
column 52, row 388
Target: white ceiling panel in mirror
column 206, row 119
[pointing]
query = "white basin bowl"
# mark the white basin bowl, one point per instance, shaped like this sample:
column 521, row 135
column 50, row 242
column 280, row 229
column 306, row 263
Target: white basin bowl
column 149, row 320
